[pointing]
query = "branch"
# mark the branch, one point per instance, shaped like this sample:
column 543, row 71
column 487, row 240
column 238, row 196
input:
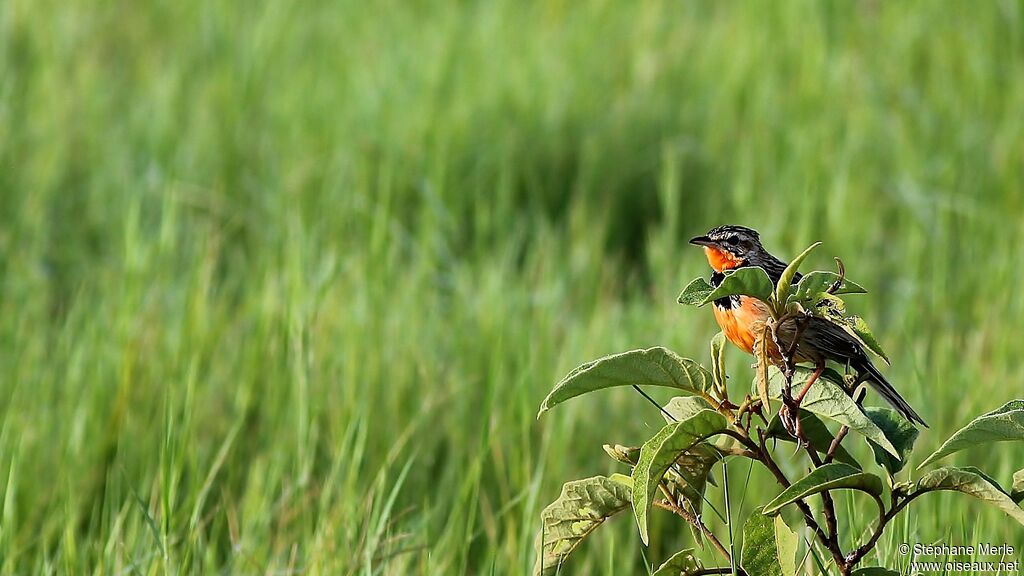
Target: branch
column 829, row 509
column 671, row 506
column 883, row 518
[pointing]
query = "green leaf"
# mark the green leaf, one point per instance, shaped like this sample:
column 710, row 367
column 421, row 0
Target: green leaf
column 747, row 281
column 683, row 407
column 1017, row 492
column 762, row 553
column 658, row 453
column 900, row 432
column 786, row 541
column 626, row 481
column 783, row 286
column 580, row 509
column 651, row 367
column 815, row 431
column 681, row 563
column 1003, row 424
column 827, row 399
column 819, row 281
column 718, row 360
column 695, row 293
column 972, row 482
column 860, row 329
column 875, row 571
column 624, row 454
column 834, row 476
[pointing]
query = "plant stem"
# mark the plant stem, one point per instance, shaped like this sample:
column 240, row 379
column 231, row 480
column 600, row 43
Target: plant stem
column 780, row 477
column 692, row 519
column 843, row 431
column 728, row 515
column 883, row 518
column 830, row 542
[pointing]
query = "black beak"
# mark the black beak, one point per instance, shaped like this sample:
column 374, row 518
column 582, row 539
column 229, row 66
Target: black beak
column 702, row 241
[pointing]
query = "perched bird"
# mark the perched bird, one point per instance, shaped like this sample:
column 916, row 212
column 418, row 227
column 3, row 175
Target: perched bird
column 742, row 317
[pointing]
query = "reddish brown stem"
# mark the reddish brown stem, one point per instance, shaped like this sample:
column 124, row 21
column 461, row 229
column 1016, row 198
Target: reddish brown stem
column 810, row 382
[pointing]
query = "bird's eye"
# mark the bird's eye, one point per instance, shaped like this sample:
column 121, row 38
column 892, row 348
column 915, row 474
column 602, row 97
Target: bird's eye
column 733, row 240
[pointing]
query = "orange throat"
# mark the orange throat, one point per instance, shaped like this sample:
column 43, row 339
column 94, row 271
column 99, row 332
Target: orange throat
column 720, row 260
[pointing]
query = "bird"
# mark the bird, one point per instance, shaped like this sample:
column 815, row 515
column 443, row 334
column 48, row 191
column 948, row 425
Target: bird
column 742, row 318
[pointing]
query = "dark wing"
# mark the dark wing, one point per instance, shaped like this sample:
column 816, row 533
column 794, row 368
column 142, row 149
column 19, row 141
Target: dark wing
column 823, row 338
column 830, row 340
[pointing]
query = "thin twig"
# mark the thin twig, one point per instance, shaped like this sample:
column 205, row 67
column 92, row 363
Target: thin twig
column 883, row 518
column 696, row 522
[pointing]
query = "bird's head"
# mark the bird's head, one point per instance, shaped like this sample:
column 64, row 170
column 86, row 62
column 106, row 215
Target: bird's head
column 729, row 246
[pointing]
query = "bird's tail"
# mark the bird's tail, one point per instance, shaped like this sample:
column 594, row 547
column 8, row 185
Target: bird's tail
column 885, row 389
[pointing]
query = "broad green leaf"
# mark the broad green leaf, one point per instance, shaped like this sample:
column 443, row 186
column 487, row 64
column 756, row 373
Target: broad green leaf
column 580, row 509
column 827, row 399
column 695, row 293
column 786, row 541
column 815, row 431
column 681, row 563
column 658, row 453
column 624, row 454
column 682, row 407
column 1003, row 424
column 860, row 329
column 985, row 475
column 761, row 554
column 875, row 571
column 834, row 476
column 1017, row 492
column 819, row 281
column 783, row 286
column 650, row 367
column 972, row 482
column 900, row 432
column 718, row 360
column 748, row 281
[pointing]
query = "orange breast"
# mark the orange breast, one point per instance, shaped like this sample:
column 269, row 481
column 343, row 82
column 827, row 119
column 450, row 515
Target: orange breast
column 720, row 259
column 740, row 324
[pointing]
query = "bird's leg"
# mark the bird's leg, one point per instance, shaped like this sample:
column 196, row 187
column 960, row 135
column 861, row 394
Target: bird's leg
column 795, row 407
column 791, row 407
column 789, row 413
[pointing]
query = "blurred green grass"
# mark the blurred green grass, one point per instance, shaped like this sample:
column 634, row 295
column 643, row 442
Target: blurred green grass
column 283, row 284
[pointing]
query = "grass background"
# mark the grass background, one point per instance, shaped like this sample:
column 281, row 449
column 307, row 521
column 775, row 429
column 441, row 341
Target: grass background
column 283, row 284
